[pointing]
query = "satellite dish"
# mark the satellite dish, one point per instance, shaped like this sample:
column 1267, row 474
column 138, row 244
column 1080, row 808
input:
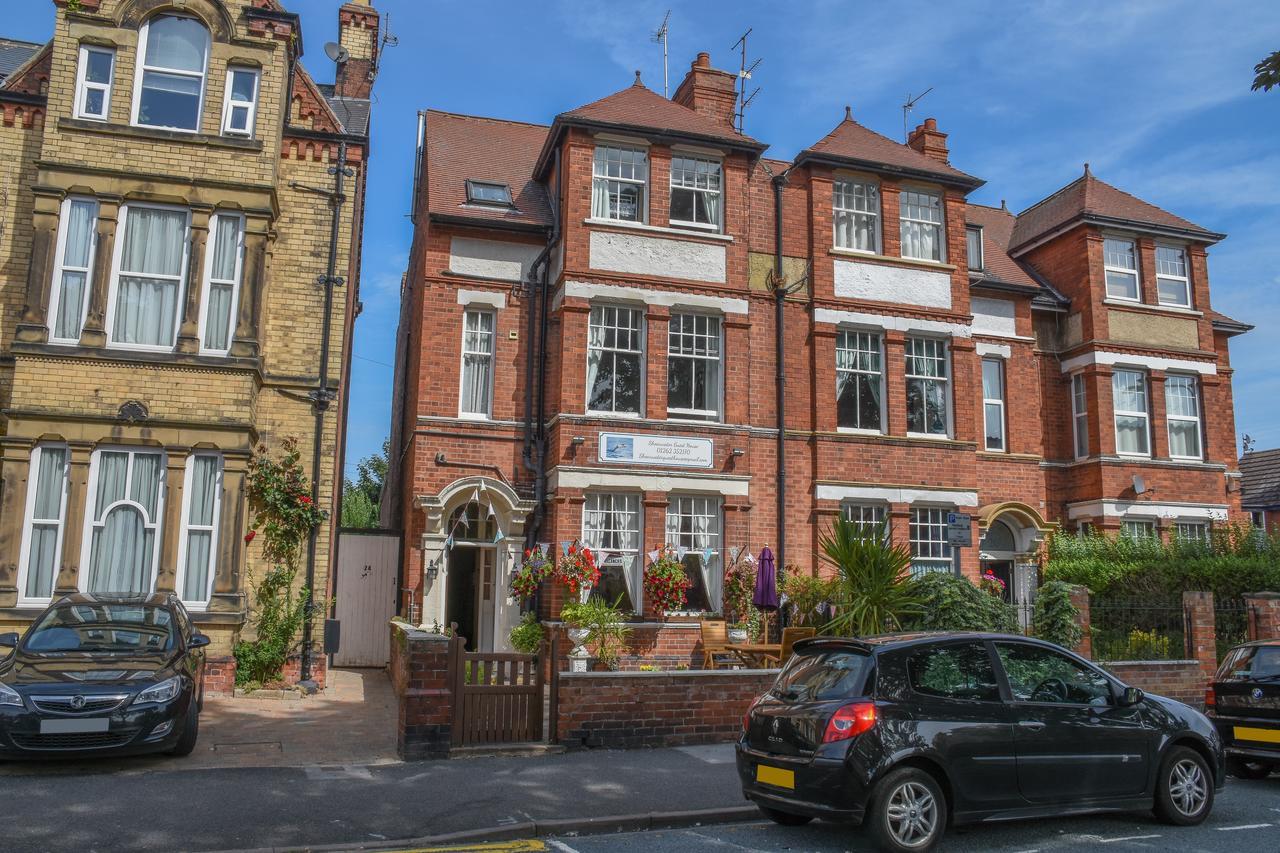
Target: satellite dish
column 336, row 52
column 1139, row 484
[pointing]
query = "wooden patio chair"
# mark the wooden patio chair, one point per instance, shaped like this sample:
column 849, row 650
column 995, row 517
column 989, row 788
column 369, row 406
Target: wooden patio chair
column 715, row 644
column 790, row 636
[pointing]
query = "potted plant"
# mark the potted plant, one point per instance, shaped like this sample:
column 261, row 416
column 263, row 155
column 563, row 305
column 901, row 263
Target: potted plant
column 602, row 627
column 577, row 570
column 738, row 632
column 525, row 581
column 665, row 582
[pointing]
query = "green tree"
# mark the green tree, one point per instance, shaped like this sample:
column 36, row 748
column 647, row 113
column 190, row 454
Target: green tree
column 873, row 590
column 1268, row 73
column 361, row 497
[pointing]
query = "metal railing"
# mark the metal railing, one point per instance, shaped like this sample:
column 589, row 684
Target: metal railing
column 1147, row 628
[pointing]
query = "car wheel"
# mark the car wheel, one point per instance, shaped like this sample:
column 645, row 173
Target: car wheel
column 908, row 812
column 784, row 818
column 190, row 733
column 1184, row 788
column 1242, row 769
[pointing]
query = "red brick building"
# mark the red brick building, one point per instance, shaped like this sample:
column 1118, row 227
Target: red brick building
column 589, row 349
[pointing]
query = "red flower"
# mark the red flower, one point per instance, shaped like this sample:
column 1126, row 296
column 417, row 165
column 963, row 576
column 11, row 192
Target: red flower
column 305, row 499
column 248, row 537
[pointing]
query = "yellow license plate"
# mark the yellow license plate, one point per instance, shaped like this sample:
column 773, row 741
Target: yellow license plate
column 776, row 776
column 1260, row 735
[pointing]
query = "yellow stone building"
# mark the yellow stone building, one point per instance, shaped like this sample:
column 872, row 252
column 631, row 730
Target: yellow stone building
column 166, row 219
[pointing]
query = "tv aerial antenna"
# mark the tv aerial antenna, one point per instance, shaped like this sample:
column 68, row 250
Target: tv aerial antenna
column 908, row 107
column 660, row 35
column 744, row 74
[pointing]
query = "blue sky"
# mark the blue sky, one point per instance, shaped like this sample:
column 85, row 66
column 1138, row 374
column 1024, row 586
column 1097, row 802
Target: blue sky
column 1153, row 94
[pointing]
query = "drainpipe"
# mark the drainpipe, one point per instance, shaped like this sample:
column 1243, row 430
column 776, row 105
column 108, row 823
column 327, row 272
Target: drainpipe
column 779, row 304
column 540, row 482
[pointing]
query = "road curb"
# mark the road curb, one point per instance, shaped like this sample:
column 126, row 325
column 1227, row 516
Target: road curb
column 540, row 829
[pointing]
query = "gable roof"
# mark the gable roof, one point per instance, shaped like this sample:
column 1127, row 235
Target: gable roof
column 1260, row 486
column 462, row 147
column 1001, row 272
column 1087, row 199
column 352, row 113
column 849, row 143
column 14, row 54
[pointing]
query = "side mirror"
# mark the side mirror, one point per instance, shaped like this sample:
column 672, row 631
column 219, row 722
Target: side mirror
column 1131, row 696
column 9, row 640
column 199, row 641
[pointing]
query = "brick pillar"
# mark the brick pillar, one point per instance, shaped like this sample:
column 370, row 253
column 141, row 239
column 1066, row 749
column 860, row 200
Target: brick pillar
column 1202, row 644
column 1264, row 615
column 1080, row 601
column 895, row 374
column 657, row 327
column 1159, row 426
column 825, row 415
column 420, row 677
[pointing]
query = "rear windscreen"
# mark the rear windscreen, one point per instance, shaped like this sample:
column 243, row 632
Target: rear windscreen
column 821, row 675
column 1251, row 662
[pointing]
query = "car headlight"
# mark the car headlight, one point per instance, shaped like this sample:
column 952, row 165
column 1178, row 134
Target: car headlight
column 162, row 692
column 9, row 696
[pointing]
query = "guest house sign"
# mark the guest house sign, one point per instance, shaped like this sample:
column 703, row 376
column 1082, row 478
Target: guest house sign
column 657, row 450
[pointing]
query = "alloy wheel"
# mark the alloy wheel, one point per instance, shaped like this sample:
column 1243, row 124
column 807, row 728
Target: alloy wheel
column 1188, row 788
column 913, row 814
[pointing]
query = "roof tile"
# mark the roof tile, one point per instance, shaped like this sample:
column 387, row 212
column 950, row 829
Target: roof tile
column 638, row 106
column 1261, row 480
column 850, row 140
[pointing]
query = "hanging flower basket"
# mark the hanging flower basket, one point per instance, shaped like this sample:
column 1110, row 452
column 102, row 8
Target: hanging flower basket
column 535, row 567
column 665, row 582
column 577, row 569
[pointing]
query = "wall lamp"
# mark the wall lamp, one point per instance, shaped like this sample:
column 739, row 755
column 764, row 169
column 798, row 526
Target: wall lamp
column 738, row 451
column 578, row 439
column 433, row 569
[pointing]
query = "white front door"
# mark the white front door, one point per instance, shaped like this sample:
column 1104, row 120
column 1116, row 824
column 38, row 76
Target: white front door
column 487, row 579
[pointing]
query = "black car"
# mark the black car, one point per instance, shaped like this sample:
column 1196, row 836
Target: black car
column 908, row 733
column 1244, row 703
column 103, row 675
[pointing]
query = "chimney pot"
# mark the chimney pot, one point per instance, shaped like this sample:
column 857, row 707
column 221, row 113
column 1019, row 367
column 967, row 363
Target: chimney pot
column 703, row 60
column 931, row 124
column 708, row 91
column 929, row 141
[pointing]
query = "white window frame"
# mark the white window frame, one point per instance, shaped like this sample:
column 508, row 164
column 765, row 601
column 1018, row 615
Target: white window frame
column 716, row 414
column 866, row 515
column 945, row 379
column 994, row 401
column 1118, row 413
column 1139, row 529
column 859, row 337
column 187, row 528
column 641, row 333
column 209, row 282
column 60, row 267
column 29, row 522
column 114, row 287
column 84, row 86
column 700, row 506
column 940, row 226
column 1108, row 267
column 1192, row 531
column 930, row 519
column 1079, row 416
column 643, row 183
column 1183, row 280
column 228, row 102
column 844, row 201
column 462, row 362
column 91, row 508
column 142, row 68
column 718, row 192
column 595, row 537
column 971, row 231
column 1170, row 380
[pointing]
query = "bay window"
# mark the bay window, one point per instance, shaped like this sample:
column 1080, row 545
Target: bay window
column 695, row 192
column 174, row 53
column 856, row 215
column 477, row 364
column 615, row 360
column 1173, row 285
column 921, row 220
column 611, row 528
column 1182, row 411
column 149, row 277
column 240, row 106
column 198, row 544
column 1132, row 413
column 927, row 377
column 859, row 381
column 694, row 530
column 993, row 403
column 1080, row 415
column 42, row 531
column 693, row 367
column 93, row 82
column 122, row 521
column 223, row 271
column 929, row 549
column 69, row 295
column 620, row 178
column 1120, row 258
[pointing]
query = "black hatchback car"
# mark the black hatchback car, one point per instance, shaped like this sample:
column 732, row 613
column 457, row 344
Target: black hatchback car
column 1244, row 703
column 103, row 675
column 910, row 733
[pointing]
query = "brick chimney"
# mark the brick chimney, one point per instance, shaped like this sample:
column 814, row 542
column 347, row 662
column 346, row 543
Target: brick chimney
column 708, row 91
column 930, row 141
column 358, row 30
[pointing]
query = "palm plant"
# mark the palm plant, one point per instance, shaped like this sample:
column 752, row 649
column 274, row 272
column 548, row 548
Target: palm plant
column 873, row 588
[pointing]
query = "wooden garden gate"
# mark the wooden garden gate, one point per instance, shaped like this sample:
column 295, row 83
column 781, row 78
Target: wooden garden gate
column 498, row 697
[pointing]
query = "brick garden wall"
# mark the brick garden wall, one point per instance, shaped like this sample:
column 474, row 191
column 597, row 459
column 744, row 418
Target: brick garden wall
column 626, row 710
column 1175, row 679
column 419, row 671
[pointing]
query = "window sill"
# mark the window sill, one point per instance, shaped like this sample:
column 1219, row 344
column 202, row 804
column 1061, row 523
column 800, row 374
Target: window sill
column 657, row 229
column 622, row 416
column 1154, row 309
column 679, row 418
column 859, row 431
column 928, row 436
column 133, row 354
column 472, row 416
column 854, row 254
column 158, row 135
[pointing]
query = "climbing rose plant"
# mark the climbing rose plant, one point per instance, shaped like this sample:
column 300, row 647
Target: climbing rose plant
column 665, row 582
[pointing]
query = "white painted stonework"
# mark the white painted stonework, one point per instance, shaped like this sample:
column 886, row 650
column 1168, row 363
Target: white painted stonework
column 1150, row 362
column 643, row 255
column 491, row 258
column 891, row 323
column 993, row 317
column 834, row 492
column 669, row 298
column 1145, row 510
column 995, row 350
column 905, row 286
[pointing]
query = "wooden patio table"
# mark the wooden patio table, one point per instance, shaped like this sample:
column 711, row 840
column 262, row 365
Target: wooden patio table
column 753, row 655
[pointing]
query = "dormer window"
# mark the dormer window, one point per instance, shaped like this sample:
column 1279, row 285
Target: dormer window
column 1121, row 264
column 974, row 236
column 174, row 53
column 695, row 192
column 619, row 183
column 1173, row 285
column 488, row 192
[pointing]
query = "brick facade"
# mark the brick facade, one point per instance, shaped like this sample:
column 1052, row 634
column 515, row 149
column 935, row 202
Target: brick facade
column 182, row 397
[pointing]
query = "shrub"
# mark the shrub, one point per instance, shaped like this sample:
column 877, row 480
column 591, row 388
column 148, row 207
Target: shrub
column 873, row 589
column 1139, row 645
column 952, row 603
column 527, row 636
column 1055, row 618
column 805, row 594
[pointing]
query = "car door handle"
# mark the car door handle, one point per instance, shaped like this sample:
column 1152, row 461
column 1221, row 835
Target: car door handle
column 1031, row 725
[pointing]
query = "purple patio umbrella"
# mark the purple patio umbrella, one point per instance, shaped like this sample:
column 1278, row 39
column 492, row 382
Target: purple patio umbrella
column 765, row 596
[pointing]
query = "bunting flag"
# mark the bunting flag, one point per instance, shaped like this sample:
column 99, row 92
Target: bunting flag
column 543, row 549
column 653, row 555
column 681, row 551
column 706, row 556
column 448, row 543
column 564, row 548
column 734, row 552
column 497, row 535
column 750, row 558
